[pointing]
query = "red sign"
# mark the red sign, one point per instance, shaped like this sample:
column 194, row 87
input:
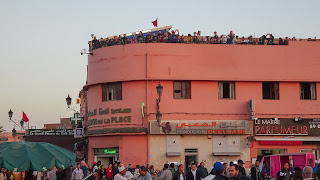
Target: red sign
column 280, row 142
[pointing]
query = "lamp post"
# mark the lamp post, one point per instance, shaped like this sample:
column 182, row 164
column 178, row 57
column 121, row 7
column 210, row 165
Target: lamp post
column 16, row 123
column 68, row 100
column 77, row 116
column 159, row 92
column 10, row 114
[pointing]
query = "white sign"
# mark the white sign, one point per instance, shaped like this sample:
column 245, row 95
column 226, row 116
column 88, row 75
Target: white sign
column 78, row 132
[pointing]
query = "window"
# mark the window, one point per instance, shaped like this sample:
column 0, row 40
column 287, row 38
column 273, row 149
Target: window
column 270, row 90
column 182, row 89
column 308, row 91
column 112, row 91
column 227, row 90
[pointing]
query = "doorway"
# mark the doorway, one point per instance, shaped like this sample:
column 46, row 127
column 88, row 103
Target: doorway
column 105, row 159
column 189, row 159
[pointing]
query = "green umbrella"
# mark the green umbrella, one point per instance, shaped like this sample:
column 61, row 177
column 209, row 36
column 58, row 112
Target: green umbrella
column 35, row 156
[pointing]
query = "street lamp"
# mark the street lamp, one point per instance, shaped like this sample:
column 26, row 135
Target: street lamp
column 16, row 123
column 10, row 114
column 68, row 99
column 158, row 116
column 159, row 90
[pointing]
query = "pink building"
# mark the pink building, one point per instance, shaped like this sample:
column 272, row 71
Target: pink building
column 219, row 102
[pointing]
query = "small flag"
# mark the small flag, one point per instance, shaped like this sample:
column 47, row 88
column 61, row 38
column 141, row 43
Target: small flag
column 155, row 23
column 24, row 117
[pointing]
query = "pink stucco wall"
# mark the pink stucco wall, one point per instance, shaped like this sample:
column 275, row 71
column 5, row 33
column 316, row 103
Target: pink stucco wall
column 297, row 62
column 133, row 95
column 132, row 149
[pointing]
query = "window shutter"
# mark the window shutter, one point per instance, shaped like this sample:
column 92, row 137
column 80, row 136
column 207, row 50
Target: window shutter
column 104, row 92
column 276, row 90
column 313, row 91
column 188, row 89
column 232, row 90
column 118, row 87
column 301, row 91
column 220, row 93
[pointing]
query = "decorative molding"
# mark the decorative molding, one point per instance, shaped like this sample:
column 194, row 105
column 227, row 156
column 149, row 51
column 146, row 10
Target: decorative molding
column 117, row 130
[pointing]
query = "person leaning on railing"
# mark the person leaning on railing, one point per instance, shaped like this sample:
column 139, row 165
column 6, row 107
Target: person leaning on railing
column 140, row 37
column 148, row 38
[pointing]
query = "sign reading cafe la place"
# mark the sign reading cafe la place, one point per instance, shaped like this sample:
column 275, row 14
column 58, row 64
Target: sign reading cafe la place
column 287, row 126
column 114, row 118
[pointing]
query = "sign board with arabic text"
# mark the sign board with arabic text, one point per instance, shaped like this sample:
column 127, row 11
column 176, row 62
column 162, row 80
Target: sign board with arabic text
column 209, row 127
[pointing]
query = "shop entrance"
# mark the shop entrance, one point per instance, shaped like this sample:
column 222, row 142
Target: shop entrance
column 106, row 160
column 190, row 155
column 106, row 155
column 189, row 159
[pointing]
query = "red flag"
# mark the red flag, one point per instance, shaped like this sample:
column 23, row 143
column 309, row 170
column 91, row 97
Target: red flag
column 155, row 23
column 24, row 117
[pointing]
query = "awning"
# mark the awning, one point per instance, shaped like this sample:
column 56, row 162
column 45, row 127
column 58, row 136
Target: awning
column 292, row 143
column 227, row 153
column 288, row 138
column 173, row 153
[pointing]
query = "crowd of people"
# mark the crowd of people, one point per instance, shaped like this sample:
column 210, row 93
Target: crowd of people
column 175, row 37
column 118, row 171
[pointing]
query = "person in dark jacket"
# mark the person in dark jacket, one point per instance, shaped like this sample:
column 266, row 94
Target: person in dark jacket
column 234, row 173
column 193, row 174
column 242, row 170
column 203, row 172
column 179, row 175
column 218, row 170
column 284, row 174
column 255, row 171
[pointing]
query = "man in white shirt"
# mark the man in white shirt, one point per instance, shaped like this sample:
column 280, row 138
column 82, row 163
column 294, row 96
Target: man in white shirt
column 77, row 173
column 121, row 174
column 193, row 173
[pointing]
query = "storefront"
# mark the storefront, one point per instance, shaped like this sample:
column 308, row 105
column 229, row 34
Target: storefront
column 106, row 155
column 285, row 135
column 198, row 140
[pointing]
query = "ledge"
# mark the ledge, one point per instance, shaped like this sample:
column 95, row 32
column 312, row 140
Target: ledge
column 117, row 130
column 226, row 153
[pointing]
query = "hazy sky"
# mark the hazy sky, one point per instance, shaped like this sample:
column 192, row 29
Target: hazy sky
column 40, row 41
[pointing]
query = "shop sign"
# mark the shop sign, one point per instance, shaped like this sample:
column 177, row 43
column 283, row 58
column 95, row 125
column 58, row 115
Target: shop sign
column 112, row 150
column 50, row 132
column 110, row 120
column 78, row 132
column 222, row 127
column 287, row 127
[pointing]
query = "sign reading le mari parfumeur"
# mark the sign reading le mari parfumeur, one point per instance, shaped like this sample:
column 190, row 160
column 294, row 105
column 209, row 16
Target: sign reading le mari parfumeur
column 287, row 127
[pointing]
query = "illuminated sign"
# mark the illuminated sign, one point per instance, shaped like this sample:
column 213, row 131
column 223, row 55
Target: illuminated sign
column 108, row 151
column 112, row 150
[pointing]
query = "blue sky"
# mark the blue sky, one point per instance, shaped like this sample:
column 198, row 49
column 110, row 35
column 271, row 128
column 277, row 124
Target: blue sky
column 40, row 41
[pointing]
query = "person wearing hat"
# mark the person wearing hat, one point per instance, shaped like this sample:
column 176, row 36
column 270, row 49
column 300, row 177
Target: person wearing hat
column 218, row 170
column 121, row 174
column 242, row 170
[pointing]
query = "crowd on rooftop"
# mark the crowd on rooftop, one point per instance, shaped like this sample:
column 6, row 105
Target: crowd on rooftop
column 163, row 36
